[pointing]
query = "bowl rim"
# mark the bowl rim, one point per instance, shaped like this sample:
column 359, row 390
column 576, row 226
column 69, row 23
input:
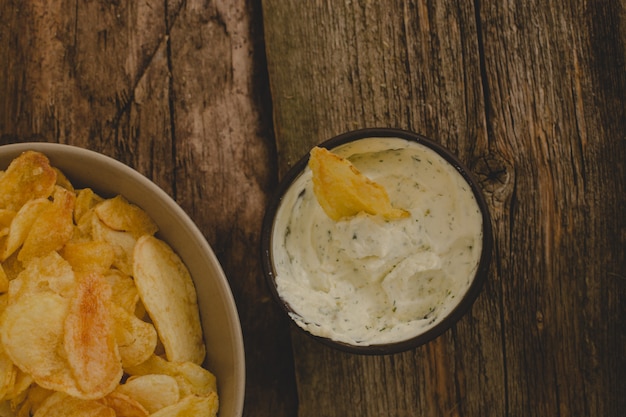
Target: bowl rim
column 170, row 208
column 470, row 296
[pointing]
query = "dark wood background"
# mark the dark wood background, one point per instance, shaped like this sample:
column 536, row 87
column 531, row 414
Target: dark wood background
column 215, row 100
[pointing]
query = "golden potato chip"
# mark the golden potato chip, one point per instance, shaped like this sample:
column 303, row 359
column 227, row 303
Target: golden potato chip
column 123, row 290
column 153, row 391
column 119, row 214
column 8, row 374
column 33, row 399
column 60, row 404
column 343, row 191
column 28, row 176
column 48, row 401
column 31, row 331
column 52, row 229
column 192, row 378
column 6, row 410
column 191, row 406
column 86, row 199
column 153, row 365
column 168, row 294
column 84, row 227
column 21, row 225
column 123, row 244
column 89, row 338
column 136, row 339
column 196, row 379
column 123, row 405
column 50, row 273
column 62, row 180
column 6, row 217
column 18, row 392
column 90, row 256
column 4, row 280
column 4, row 232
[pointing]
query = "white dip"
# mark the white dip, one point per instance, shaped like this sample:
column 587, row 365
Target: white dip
column 364, row 280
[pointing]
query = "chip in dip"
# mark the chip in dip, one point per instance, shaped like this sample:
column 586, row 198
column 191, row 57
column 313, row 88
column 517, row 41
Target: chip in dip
column 369, row 280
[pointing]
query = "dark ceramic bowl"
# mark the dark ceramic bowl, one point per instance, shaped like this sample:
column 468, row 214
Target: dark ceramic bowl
column 467, row 298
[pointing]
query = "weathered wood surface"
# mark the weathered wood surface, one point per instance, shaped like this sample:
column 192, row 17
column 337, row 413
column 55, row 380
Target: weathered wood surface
column 529, row 94
column 532, row 96
column 177, row 90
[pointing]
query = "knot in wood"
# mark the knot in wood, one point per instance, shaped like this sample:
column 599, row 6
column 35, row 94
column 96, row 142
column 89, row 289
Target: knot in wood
column 539, row 320
column 495, row 176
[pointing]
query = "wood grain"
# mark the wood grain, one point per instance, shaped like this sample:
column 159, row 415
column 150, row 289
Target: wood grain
column 177, row 90
column 216, row 100
column 554, row 105
column 531, row 96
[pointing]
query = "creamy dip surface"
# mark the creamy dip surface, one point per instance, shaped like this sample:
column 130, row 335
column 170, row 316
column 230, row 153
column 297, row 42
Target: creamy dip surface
column 365, row 280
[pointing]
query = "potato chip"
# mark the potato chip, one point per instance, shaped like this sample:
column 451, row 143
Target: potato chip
column 168, row 293
column 6, row 410
column 196, row 380
column 90, row 256
column 343, row 191
column 136, row 339
column 31, row 331
column 123, row 290
column 89, row 338
column 4, row 280
column 21, row 225
column 33, row 399
column 49, row 401
column 18, row 392
column 52, row 229
column 4, row 302
column 50, row 273
column 28, row 176
column 62, row 180
column 8, row 374
column 124, row 405
column 192, row 379
column 86, row 199
column 84, row 227
column 119, row 214
column 153, row 391
column 123, row 244
column 60, row 404
column 191, row 406
column 6, row 217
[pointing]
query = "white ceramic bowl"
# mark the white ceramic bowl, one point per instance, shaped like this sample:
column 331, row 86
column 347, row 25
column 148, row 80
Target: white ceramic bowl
column 218, row 312
column 318, row 309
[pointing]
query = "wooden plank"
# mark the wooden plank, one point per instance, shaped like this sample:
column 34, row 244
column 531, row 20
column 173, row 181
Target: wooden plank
column 345, row 65
column 353, row 65
column 224, row 164
column 531, row 96
column 70, row 75
column 176, row 90
column 556, row 102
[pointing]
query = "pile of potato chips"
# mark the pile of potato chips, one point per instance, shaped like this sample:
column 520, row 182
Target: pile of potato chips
column 98, row 317
column 343, row 191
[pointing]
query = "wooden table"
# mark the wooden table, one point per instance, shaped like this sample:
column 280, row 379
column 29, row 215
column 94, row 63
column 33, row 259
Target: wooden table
column 216, row 100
